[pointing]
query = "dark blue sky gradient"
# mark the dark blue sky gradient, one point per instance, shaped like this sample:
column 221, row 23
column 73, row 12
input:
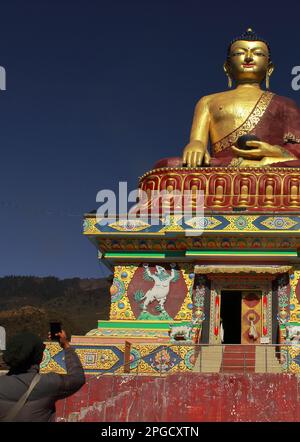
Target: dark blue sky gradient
column 97, row 91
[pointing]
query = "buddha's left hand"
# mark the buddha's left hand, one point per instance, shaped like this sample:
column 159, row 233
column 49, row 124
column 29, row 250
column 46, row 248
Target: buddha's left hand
column 261, row 150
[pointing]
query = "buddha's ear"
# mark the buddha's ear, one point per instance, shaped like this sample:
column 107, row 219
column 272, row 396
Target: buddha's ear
column 226, row 67
column 227, row 70
column 270, row 68
column 269, row 72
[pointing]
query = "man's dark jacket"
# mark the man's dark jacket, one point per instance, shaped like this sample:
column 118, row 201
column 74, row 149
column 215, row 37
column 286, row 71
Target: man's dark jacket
column 40, row 406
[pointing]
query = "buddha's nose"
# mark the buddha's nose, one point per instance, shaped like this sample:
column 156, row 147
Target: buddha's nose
column 248, row 57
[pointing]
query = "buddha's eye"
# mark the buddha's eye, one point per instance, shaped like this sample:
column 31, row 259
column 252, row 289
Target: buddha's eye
column 260, row 54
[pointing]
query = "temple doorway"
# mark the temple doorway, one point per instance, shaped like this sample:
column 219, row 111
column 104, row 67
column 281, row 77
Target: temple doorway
column 245, row 304
column 231, row 313
column 241, row 313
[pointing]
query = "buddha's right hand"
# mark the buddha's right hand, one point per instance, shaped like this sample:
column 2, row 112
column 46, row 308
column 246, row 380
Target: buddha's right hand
column 195, row 154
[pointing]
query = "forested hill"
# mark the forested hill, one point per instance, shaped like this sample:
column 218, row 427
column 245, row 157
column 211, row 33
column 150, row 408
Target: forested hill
column 29, row 303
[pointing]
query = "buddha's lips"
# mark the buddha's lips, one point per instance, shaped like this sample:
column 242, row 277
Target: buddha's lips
column 248, row 65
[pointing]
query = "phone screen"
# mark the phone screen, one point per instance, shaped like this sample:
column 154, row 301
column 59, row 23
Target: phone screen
column 55, row 327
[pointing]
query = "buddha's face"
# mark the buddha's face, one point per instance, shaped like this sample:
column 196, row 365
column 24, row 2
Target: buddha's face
column 248, row 61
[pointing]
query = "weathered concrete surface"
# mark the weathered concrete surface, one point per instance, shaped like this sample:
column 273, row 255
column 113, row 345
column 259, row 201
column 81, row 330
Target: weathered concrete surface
column 189, row 397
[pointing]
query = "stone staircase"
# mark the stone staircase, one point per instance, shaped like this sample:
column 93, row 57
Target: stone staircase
column 236, row 359
column 209, row 359
column 266, row 360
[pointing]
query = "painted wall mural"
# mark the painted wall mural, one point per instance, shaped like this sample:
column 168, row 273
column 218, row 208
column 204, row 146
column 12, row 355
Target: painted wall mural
column 158, row 292
column 152, row 292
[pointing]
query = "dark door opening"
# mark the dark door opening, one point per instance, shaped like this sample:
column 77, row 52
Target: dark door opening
column 231, row 310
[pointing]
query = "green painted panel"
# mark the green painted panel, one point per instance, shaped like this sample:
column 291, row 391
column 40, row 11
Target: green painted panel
column 162, row 325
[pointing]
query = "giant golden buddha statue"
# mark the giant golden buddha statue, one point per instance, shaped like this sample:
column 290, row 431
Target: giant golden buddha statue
column 247, row 109
column 225, row 120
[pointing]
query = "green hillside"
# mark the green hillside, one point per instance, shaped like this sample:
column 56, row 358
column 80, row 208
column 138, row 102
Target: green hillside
column 29, row 303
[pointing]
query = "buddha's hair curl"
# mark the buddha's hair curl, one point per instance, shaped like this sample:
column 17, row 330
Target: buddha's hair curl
column 249, row 35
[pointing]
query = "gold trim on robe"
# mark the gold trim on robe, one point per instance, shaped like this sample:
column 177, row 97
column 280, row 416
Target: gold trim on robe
column 249, row 124
column 290, row 138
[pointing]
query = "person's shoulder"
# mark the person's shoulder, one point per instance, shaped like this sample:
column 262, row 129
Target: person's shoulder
column 3, row 378
column 50, row 383
column 50, row 378
column 204, row 103
column 212, row 99
column 207, row 99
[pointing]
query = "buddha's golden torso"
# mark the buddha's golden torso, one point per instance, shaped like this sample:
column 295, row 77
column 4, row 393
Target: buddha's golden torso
column 229, row 110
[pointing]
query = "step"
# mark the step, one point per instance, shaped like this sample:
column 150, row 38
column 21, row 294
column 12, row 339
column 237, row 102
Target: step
column 209, row 360
column 238, row 359
column 266, row 360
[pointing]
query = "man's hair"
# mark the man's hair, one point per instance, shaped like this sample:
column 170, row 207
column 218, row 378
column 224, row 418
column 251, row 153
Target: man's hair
column 23, row 350
column 249, row 35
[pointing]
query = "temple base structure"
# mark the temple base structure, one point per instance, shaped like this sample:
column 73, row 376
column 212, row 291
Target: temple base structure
column 184, row 287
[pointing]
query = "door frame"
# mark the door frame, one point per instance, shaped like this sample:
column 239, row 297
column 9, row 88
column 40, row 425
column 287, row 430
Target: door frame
column 239, row 282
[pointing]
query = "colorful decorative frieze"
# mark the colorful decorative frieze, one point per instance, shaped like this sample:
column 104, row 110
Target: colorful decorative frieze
column 200, row 242
column 152, row 359
column 208, row 223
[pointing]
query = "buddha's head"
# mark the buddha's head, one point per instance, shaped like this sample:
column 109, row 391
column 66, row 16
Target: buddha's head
column 248, row 59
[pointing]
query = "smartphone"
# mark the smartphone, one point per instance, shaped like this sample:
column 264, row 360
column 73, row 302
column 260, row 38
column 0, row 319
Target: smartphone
column 55, row 327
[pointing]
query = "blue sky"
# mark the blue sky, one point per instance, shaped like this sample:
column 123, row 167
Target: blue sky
column 97, row 92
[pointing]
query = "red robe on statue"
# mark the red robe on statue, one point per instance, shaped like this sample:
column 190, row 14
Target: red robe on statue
column 274, row 119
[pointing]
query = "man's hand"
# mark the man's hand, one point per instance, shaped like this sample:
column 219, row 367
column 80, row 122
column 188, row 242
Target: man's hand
column 195, row 154
column 63, row 340
column 261, row 150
